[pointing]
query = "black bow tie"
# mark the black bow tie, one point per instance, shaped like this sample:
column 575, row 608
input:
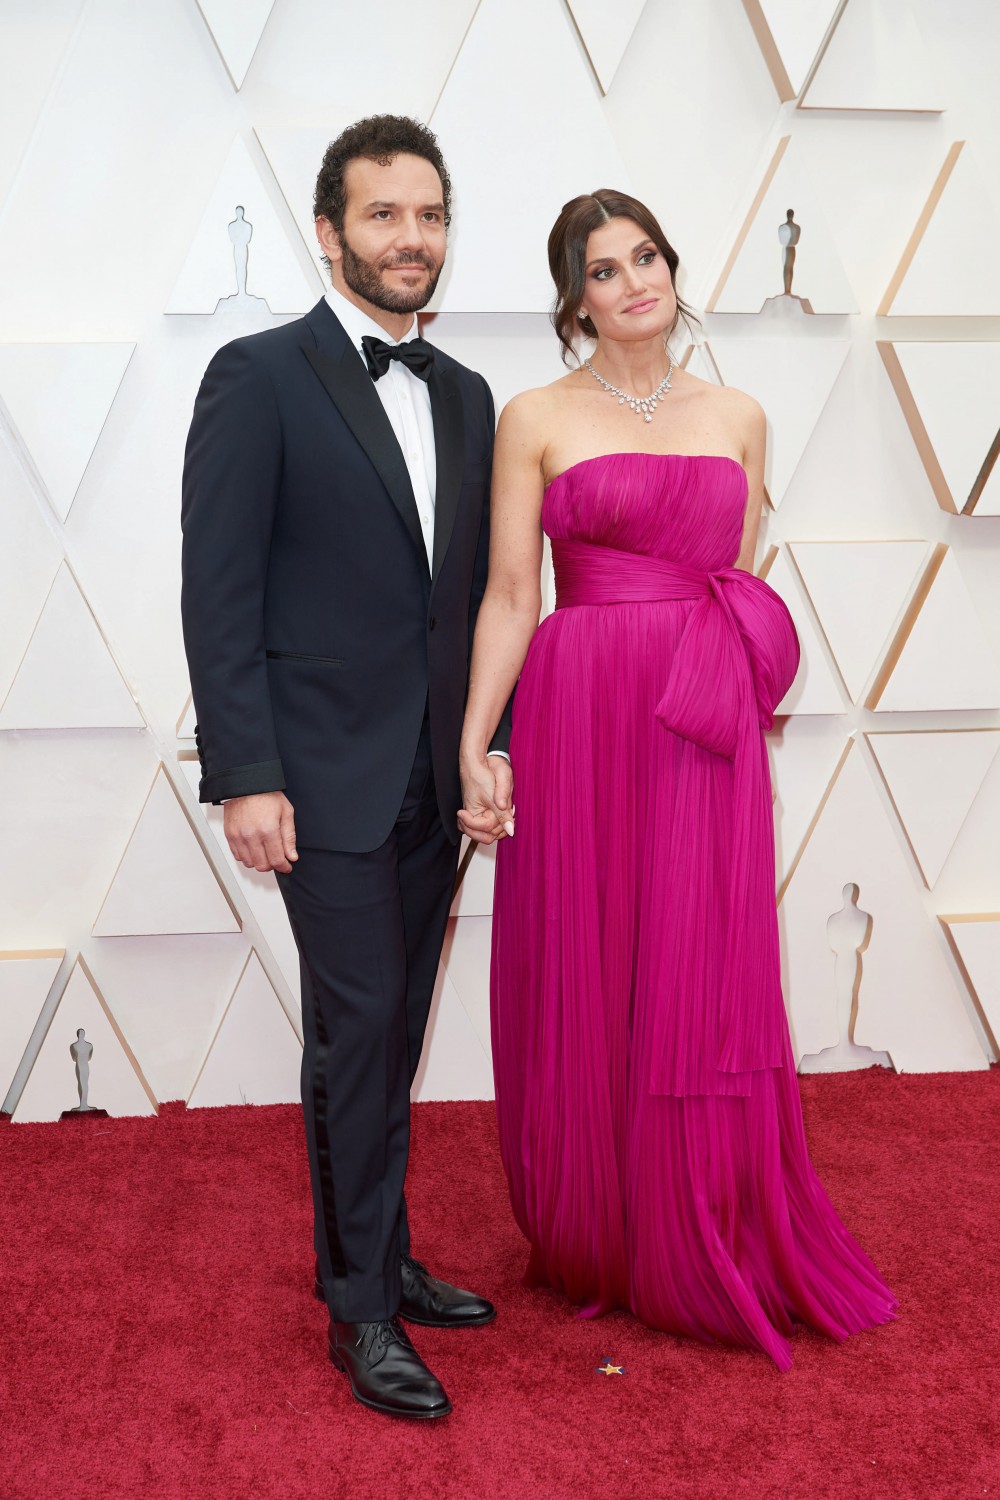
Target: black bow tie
column 416, row 354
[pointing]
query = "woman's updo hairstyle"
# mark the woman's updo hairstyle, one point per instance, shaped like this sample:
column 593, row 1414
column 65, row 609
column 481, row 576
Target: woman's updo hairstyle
column 568, row 258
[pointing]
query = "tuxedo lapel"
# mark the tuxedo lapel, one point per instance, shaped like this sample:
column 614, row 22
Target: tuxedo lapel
column 348, row 384
column 449, row 452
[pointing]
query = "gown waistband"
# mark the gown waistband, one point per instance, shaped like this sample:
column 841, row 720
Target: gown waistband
column 591, row 574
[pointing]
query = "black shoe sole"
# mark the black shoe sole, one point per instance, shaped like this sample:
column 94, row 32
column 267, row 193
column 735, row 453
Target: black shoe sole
column 387, row 1411
column 451, row 1322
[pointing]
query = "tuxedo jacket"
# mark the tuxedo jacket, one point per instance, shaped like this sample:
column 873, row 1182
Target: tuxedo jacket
column 317, row 634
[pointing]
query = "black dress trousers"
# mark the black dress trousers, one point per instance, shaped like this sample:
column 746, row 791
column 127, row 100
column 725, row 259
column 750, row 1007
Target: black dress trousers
column 369, row 929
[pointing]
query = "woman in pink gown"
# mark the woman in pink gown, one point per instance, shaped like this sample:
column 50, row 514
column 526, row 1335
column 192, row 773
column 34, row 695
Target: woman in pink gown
column 647, row 1101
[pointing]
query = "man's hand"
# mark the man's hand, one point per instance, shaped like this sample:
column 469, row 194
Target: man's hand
column 487, row 791
column 260, row 831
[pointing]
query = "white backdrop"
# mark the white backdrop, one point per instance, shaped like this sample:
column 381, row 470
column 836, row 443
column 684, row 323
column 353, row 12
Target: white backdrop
column 130, row 132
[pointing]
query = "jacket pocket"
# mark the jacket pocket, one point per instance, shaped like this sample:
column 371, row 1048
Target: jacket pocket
column 330, row 661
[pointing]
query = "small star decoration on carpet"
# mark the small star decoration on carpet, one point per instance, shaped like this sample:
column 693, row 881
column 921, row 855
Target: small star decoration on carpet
column 607, row 1368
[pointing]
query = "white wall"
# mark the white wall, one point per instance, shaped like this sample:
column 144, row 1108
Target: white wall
column 129, row 132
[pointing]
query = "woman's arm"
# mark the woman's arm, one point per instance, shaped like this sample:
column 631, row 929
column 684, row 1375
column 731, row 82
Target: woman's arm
column 754, row 441
column 508, row 616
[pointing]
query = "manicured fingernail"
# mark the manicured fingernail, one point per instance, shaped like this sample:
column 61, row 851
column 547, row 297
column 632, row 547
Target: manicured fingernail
column 508, row 829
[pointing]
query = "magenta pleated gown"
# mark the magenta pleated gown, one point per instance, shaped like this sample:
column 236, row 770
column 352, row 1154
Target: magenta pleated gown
column 649, row 1114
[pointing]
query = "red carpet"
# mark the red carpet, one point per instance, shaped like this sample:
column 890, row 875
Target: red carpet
column 160, row 1337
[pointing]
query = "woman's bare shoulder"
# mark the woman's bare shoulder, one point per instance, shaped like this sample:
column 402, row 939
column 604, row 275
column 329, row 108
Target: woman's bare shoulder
column 727, row 402
column 542, row 397
column 743, row 407
column 530, row 412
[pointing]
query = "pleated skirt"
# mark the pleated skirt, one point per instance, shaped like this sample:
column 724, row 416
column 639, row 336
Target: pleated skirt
column 699, row 1209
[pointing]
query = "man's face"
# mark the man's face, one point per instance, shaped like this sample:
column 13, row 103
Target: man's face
column 391, row 249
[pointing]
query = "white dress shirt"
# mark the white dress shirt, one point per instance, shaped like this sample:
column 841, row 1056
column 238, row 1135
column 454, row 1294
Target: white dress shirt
column 407, row 402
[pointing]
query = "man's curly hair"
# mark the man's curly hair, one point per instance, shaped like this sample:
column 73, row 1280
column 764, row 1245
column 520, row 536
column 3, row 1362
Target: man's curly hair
column 378, row 138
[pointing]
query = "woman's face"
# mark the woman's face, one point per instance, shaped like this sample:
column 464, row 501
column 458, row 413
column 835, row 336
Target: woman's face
column 629, row 293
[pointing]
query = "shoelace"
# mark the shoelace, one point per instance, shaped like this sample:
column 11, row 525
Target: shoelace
column 388, row 1331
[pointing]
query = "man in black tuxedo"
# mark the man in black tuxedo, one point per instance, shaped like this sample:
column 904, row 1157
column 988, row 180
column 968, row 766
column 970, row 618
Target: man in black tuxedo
column 336, row 533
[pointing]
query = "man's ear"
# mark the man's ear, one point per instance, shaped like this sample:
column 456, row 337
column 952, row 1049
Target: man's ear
column 329, row 239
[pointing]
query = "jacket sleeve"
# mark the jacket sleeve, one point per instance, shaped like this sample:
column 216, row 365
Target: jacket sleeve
column 501, row 737
column 232, row 474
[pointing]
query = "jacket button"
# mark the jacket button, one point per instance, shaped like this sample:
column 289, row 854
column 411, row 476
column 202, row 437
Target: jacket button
column 432, row 622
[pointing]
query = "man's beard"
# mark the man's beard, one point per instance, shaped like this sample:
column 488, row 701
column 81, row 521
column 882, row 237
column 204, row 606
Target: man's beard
column 364, row 277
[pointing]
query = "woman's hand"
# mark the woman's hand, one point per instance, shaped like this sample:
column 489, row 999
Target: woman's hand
column 487, row 788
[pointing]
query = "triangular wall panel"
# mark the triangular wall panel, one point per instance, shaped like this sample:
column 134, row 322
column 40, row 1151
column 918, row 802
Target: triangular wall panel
column 466, row 957
column 169, row 995
column 29, row 560
column 945, row 661
column 399, row 66
column 209, row 279
column 164, row 883
column 605, row 31
column 186, row 722
column 699, row 360
column 859, row 591
column 67, row 678
column 255, row 1056
column 790, row 34
column 116, row 1081
column 294, row 154
column 27, row 73
column 976, row 940
column 933, row 779
column 236, row 27
column 25, row 981
column 909, row 1003
column 59, row 397
column 753, row 275
column 454, row 1063
column 792, row 379
column 815, row 689
column 329, row 65
column 534, row 158
column 948, row 394
column 475, row 894
column 876, row 59
column 804, row 751
column 948, row 268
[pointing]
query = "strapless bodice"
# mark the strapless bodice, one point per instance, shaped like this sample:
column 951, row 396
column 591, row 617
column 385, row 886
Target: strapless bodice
column 683, row 508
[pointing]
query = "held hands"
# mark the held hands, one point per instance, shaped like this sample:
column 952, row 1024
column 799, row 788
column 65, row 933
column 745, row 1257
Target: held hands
column 260, row 830
column 487, row 813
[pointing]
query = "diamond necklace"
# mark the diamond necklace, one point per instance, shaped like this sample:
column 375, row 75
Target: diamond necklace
column 642, row 405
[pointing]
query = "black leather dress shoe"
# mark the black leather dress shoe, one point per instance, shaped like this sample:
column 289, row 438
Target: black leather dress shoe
column 433, row 1303
column 437, row 1304
column 385, row 1371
